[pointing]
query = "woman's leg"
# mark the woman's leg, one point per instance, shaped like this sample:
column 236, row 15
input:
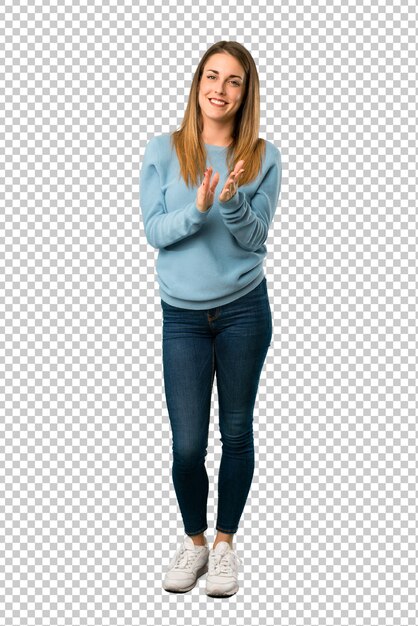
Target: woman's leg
column 188, row 363
column 240, row 350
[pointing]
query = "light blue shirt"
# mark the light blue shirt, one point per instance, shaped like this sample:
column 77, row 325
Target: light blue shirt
column 206, row 259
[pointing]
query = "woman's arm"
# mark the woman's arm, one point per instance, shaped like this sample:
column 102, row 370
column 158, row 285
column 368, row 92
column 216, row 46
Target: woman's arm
column 249, row 222
column 162, row 228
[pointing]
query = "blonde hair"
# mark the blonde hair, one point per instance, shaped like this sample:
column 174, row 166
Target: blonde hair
column 246, row 144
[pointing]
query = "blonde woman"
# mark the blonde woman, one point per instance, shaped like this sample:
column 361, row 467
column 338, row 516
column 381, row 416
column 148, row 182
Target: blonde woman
column 208, row 195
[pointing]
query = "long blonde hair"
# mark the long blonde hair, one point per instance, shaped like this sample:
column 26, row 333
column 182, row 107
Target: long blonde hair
column 246, row 144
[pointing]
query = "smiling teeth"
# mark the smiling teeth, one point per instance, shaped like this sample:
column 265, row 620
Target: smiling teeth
column 218, row 101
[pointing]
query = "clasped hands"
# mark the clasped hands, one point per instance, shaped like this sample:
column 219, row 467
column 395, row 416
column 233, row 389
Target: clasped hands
column 206, row 191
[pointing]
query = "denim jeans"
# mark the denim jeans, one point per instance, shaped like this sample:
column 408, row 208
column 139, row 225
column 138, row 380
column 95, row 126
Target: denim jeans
column 231, row 340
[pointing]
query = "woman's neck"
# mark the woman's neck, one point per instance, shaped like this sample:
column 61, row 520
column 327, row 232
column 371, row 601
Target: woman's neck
column 217, row 141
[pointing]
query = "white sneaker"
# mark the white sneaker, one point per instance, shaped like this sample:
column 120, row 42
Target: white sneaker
column 222, row 578
column 189, row 563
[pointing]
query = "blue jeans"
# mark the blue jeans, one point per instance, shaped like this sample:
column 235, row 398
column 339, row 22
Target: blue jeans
column 231, row 340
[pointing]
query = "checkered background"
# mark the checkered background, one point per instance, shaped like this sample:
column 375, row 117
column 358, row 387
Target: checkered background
column 89, row 519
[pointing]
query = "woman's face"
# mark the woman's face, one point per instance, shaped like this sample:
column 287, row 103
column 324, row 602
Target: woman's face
column 222, row 78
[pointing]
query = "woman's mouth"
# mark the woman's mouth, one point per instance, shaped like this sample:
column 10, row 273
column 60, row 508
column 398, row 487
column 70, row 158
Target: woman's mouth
column 217, row 103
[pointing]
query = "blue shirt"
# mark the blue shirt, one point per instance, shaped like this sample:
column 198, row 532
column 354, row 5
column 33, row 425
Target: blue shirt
column 206, row 259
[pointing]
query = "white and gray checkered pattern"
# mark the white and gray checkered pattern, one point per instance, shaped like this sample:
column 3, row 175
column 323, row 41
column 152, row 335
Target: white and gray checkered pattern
column 89, row 518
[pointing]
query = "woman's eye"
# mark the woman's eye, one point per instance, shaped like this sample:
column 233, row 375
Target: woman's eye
column 234, row 82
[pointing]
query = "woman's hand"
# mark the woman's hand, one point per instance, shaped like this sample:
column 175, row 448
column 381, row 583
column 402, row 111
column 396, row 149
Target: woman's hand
column 206, row 191
column 231, row 185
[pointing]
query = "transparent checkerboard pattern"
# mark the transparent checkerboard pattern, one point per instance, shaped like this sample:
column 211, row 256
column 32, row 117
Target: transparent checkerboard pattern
column 88, row 518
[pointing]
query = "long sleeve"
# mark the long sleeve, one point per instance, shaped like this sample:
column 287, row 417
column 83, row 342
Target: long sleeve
column 249, row 222
column 163, row 228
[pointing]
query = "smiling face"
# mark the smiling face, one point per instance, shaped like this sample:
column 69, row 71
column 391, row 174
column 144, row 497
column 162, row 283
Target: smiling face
column 222, row 79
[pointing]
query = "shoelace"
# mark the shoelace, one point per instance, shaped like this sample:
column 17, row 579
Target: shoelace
column 184, row 558
column 223, row 563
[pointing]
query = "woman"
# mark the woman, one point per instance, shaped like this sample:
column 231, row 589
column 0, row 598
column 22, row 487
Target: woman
column 216, row 312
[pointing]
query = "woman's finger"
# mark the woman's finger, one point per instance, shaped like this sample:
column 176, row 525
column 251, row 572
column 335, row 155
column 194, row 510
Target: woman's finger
column 214, row 182
column 232, row 180
column 239, row 165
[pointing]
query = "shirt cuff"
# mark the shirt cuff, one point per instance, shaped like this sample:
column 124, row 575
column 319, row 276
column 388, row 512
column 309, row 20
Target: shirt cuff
column 202, row 213
column 233, row 202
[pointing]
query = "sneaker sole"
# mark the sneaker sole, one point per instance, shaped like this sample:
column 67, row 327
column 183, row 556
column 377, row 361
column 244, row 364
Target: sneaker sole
column 221, row 595
column 170, row 587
